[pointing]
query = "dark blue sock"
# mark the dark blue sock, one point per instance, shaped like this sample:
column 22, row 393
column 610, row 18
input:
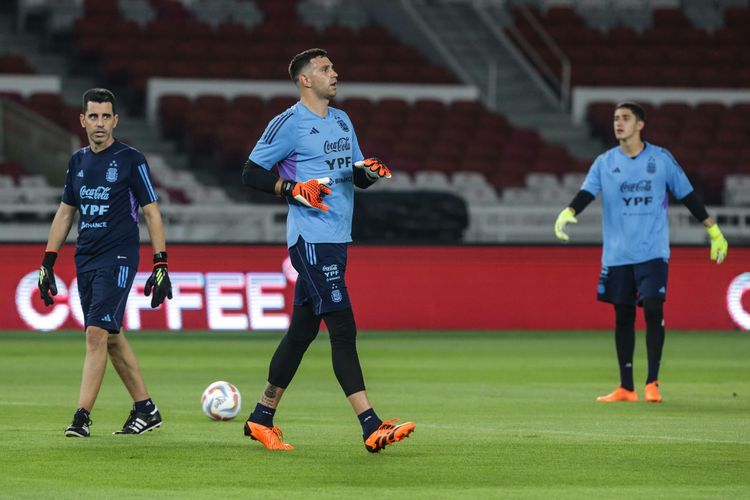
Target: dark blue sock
column 653, row 371
column 626, row 376
column 369, row 421
column 262, row 415
column 145, row 406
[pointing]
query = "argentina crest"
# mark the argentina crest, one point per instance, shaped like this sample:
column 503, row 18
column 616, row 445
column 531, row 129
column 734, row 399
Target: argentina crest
column 336, row 295
column 111, row 175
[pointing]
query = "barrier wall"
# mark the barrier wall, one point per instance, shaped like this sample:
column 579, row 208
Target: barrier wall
column 418, row 287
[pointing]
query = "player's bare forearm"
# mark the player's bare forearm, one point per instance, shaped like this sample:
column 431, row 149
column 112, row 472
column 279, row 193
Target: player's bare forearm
column 60, row 227
column 155, row 225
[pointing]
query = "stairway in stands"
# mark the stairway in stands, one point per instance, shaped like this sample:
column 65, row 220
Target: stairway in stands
column 474, row 45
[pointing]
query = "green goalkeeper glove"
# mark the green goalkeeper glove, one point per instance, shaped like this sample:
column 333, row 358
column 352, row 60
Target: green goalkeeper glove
column 719, row 245
column 567, row 216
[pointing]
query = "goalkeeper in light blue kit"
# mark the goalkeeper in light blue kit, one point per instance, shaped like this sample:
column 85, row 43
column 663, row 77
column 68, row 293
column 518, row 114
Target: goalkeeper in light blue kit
column 317, row 155
column 633, row 179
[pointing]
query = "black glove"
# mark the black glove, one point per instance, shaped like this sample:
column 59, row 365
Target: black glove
column 159, row 281
column 47, row 278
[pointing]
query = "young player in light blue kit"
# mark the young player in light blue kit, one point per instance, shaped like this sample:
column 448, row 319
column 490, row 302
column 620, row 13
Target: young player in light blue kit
column 633, row 179
column 317, row 155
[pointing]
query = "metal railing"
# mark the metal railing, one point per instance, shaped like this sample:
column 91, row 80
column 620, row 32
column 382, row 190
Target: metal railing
column 559, row 82
column 42, row 146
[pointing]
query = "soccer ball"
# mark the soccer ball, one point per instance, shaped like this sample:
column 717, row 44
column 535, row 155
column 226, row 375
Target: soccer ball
column 221, row 401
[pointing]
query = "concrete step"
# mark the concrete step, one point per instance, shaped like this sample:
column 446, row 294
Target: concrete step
column 552, row 119
column 73, row 88
column 47, row 64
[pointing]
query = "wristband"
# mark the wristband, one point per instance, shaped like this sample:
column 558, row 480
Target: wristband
column 287, row 187
column 160, row 258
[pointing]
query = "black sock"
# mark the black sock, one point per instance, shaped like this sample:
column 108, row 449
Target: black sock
column 625, row 343
column 262, row 415
column 653, row 310
column 145, row 406
column 369, row 421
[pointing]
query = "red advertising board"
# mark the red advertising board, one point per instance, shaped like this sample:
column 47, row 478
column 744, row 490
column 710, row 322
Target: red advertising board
column 249, row 287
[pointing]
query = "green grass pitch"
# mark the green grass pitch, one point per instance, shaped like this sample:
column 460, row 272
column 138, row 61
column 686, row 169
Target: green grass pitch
column 498, row 414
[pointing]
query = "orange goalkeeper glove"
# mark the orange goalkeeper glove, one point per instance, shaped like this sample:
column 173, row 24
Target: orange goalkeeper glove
column 309, row 193
column 374, row 168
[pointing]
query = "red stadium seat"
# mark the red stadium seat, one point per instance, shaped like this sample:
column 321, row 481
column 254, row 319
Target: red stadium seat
column 15, row 65
column 737, row 17
column 12, row 96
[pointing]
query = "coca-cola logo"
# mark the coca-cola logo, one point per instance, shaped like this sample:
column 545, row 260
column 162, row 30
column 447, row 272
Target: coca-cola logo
column 635, row 187
column 343, row 144
column 97, row 193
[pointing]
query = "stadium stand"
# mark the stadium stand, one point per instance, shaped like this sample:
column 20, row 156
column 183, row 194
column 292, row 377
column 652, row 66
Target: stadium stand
column 671, row 51
column 441, row 146
column 708, row 140
column 15, row 64
column 433, row 145
column 19, row 187
column 51, row 106
column 172, row 40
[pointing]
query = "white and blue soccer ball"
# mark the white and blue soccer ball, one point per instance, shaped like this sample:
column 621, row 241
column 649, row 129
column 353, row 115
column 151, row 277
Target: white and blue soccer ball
column 221, row 401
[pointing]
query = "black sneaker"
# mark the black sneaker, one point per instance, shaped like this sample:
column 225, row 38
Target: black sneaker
column 79, row 427
column 140, row 422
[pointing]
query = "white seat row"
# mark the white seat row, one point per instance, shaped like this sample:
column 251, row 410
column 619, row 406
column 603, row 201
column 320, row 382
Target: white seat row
column 472, row 186
column 737, row 190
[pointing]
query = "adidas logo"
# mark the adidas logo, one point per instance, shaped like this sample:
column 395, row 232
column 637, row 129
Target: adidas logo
column 662, row 290
column 80, row 173
column 314, row 131
column 106, row 318
column 616, row 170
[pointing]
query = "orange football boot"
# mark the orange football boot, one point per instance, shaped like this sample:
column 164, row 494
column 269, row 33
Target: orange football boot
column 619, row 394
column 652, row 392
column 387, row 434
column 270, row 437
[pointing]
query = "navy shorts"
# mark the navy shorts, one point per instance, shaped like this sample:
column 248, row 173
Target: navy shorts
column 321, row 268
column 631, row 284
column 104, row 293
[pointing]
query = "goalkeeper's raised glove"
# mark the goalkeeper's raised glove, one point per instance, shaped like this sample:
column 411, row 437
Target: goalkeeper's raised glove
column 309, row 193
column 374, row 168
column 47, row 282
column 719, row 245
column 567, row 216
column 159, row 281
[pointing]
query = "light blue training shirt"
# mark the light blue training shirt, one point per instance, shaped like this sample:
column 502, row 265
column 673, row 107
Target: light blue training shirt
column 635, row 226
column 306, row 146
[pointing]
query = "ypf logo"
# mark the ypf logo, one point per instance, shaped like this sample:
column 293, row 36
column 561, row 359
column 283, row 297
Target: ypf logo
column 737, row 288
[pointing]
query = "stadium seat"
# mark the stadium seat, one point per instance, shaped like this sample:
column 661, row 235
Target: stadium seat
column 671, row 37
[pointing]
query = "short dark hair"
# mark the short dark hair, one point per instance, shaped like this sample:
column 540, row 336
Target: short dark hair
column 98, row 95
column 634, row 107
column 303, row 59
